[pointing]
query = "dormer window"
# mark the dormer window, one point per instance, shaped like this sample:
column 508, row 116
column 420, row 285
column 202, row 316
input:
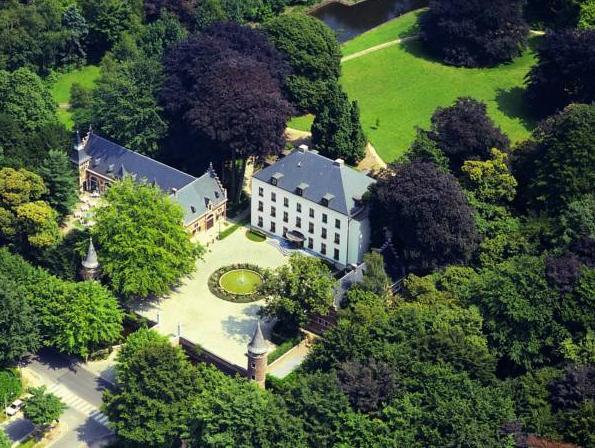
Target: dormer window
column 110, row 168
column 357, row 201
column 193, row 209
column 326, row 199
column 275, row 178
column 301, row 188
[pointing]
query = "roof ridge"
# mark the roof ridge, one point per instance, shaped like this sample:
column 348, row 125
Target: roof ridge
column 146, row 157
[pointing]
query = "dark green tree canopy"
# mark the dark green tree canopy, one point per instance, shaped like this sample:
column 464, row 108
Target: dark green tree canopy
column 463, row 132
column 427, row 213
column 155, row 386
column 25, row 98
column 61, row 182
column 125, row 108
column 19, row 333
column 313, row 52
column 564, row 72
column 474, row 33
column 337, row 132
column 557, row 166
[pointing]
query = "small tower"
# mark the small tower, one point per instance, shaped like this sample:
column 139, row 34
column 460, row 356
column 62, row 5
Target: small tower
column 90, row 265
column 257, row 357
column 80, row 158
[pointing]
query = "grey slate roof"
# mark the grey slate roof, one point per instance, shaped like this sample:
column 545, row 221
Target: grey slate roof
column 323, row 177
column 197, row 195
column 112, row 160
column 90, row 262
column 345, row 283
column 257, row 345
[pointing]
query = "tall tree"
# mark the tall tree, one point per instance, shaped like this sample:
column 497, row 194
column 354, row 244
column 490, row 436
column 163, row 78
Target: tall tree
column 107, row 20
column 43, row 408
column 375, row 278
column 18, row 324
column 463, row 132
column 295, row 292
column 337, row 132
column 234, row 412
column 25, row 221
column 490, row 180
column 75, row 23
column 79, row 318
column 184, row 10
column 526, row 320
column 25, row 98
column 151, row 404
column 224, row 91
column 209, row 12
column 564, row 71
column 313, row 52
column 142, row 244
column 427, row 213
column 60, row 180
column 125, row 108
column 33, row 35
column 557, row 166
column 319, row 401
column 474, row 33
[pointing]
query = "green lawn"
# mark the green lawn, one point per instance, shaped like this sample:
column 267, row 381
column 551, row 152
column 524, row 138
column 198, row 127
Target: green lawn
column 240, row 281
column 86, row 76
column 401, row 87
column 402, row 26
column 303, row 123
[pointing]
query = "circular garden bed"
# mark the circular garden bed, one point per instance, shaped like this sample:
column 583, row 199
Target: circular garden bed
column 237, row 283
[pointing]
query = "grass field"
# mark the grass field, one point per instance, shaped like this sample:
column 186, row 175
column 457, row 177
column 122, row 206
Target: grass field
column 403, row 26
column 401, row 86
column 86, row 76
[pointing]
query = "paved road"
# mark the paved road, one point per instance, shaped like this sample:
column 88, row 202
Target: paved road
column 80, row 390
column 17, row 428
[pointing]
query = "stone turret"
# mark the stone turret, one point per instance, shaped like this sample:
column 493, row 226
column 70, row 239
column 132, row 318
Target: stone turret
column 90, row 265
column 257, row 357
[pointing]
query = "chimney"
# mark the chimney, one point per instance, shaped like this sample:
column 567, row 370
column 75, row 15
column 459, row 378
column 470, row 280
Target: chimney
column 339, row 162
column 303, row 148
column 174, row 190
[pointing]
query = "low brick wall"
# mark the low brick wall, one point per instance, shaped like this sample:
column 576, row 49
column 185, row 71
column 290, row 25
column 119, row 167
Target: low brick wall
column 199, row 354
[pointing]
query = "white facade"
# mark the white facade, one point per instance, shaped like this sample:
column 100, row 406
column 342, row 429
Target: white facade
column 341, row 239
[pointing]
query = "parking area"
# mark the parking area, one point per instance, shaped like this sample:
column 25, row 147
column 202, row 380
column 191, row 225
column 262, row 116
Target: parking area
column 221, row 327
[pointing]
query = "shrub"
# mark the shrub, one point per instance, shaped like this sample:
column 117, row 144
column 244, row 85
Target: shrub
column 10, row 386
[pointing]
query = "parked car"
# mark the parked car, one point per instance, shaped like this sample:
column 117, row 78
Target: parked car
column 14, row 407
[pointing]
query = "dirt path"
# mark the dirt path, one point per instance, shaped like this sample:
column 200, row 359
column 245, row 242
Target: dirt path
column 377, row 47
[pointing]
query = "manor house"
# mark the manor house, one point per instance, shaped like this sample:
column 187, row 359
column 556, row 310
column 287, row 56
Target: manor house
column 315, row 203
column 101, row 162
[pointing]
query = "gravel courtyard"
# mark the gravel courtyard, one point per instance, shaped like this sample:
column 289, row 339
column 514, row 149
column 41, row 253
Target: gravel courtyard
column 221, row 327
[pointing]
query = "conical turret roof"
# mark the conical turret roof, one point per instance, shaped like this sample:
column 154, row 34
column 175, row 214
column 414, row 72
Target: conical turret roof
column 257, row 345
column 90, row 262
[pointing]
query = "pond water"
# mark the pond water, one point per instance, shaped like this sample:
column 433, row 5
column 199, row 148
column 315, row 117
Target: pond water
column 350, row 21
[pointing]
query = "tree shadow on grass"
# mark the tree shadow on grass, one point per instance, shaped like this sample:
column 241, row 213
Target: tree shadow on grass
column 415, row 47
column 512, row 103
